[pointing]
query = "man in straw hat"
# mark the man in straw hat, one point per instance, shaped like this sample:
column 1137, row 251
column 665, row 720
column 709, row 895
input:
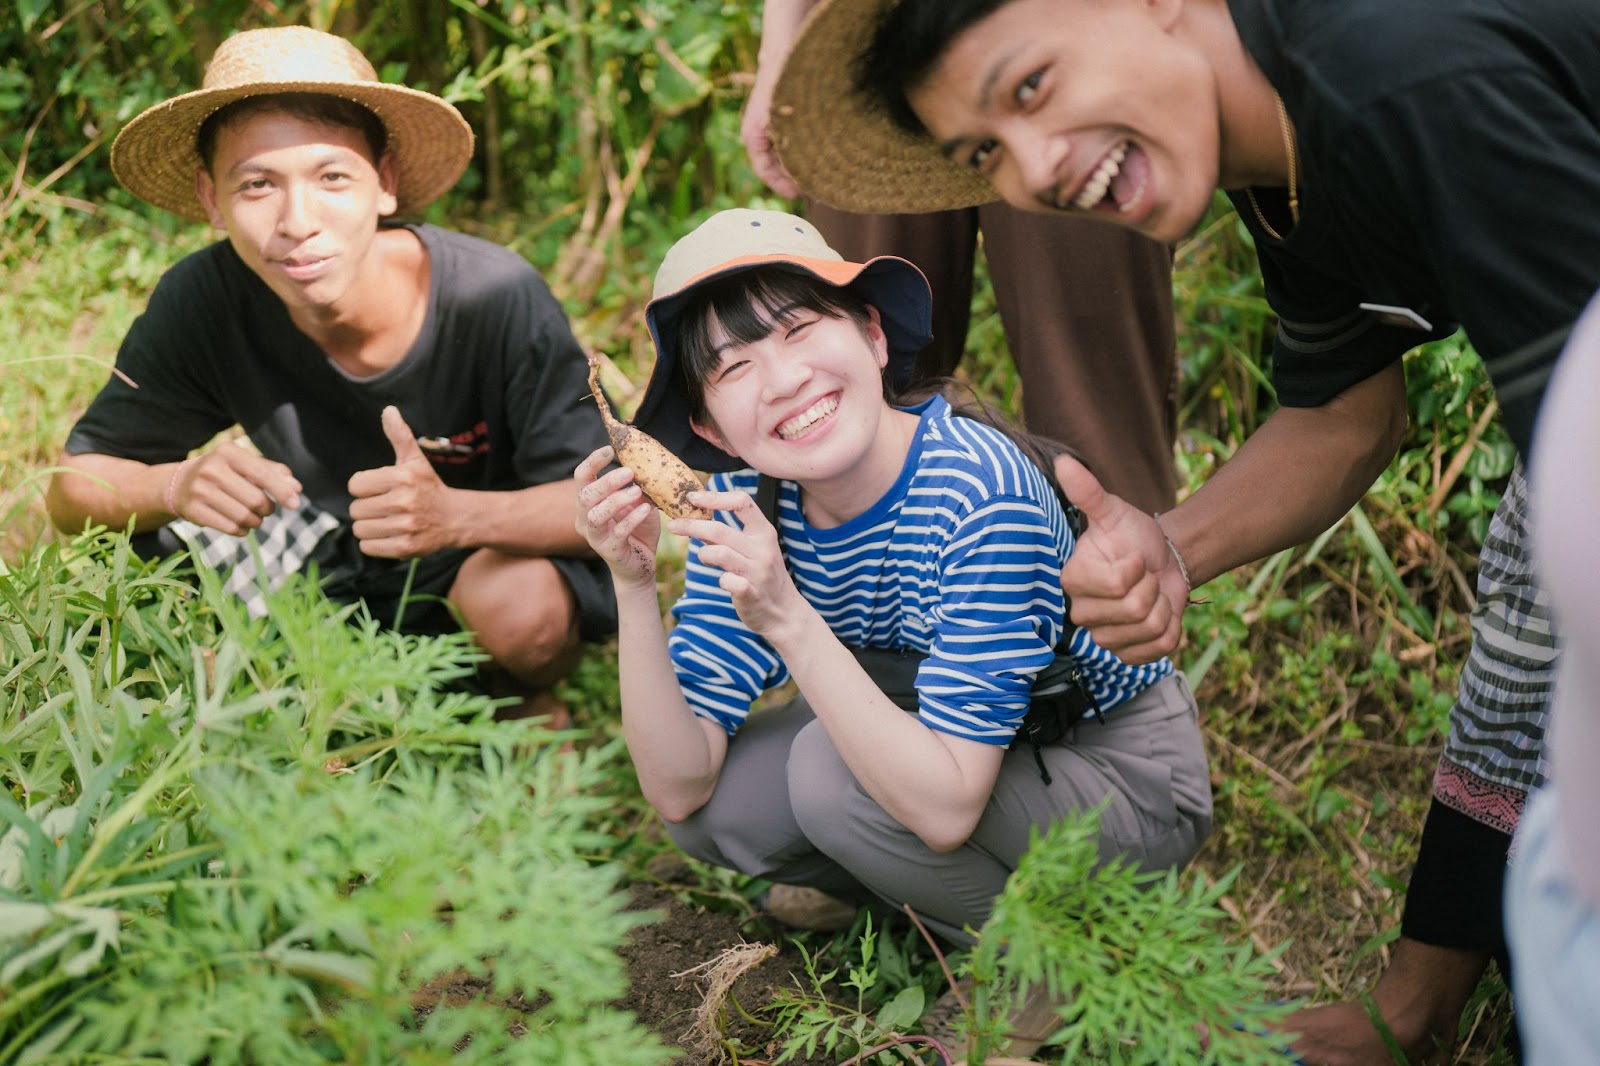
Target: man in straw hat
column 1402, row 167
column 415, row 397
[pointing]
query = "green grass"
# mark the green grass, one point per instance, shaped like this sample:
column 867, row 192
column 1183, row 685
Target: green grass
column 1324, row 673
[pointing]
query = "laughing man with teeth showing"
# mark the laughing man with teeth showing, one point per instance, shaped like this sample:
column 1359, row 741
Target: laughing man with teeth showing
column 1404, row 166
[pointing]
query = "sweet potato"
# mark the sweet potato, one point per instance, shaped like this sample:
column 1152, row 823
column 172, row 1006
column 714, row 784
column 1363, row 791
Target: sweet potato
column 662, row 476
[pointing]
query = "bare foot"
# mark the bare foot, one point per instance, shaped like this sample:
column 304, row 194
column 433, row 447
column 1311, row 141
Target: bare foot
column 1341, row 1034
column 1420, row 998
column 543, row 704
column 534, row 706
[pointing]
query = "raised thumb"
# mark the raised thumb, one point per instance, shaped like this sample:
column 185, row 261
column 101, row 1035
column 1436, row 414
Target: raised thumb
column 400, row 436
column 1085, row 490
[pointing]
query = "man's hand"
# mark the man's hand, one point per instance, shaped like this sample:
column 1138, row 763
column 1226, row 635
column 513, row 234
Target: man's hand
column 231, row 489
column 756, row 134
column 1123, row 581
column 402, row 511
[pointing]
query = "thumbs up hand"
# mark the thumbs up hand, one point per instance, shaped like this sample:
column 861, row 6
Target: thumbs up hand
column 1124, row 582
column 400, row 436
column 401, row 511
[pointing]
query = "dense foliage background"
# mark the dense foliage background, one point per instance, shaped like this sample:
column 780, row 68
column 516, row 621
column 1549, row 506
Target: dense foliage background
column 605, row 131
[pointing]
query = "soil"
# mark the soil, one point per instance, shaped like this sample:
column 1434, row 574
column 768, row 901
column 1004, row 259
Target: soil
column 670, row 977
column 664, row 996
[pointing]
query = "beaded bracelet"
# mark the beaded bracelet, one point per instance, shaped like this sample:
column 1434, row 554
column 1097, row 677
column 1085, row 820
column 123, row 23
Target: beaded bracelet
column 169, row 496
column 1183, row 570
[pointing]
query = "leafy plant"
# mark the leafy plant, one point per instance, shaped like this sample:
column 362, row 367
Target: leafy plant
column 199, row 859
column 1141, row 961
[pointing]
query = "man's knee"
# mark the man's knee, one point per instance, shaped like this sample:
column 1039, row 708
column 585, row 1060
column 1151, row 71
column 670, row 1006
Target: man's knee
column 519, row 609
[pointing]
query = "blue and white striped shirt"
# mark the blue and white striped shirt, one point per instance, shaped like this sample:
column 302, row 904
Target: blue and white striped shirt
column 960, row 561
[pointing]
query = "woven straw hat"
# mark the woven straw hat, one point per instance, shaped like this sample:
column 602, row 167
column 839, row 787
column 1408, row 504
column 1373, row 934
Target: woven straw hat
column 742, row 239
column 838, row 143
column 155, row 155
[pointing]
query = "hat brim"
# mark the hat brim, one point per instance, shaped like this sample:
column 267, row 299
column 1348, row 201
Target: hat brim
column 839, row 144
column 155, row 156
column 893, row 285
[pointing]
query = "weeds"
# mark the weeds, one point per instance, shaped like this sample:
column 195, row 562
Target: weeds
column 198, row 860
column 139, row 714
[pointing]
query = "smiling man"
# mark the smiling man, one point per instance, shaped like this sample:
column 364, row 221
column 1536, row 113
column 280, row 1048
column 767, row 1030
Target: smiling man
column 1404, row 167
column 413, row 398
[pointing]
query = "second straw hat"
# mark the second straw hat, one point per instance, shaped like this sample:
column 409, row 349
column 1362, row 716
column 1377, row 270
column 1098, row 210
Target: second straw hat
column 838, row 143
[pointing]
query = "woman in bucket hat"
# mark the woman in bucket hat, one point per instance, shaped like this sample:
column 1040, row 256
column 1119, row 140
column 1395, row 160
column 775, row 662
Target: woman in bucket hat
column 1402, row 166
column 909, row 563
column 412, row 395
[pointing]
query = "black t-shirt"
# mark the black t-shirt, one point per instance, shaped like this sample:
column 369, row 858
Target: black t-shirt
column 1449, row 155
column 495, row 383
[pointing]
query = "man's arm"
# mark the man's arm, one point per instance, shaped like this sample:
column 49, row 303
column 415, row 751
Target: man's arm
column 1294, row 477
column 228, row 488
column 106, row 491
column 1298, row 474
column 780, row 24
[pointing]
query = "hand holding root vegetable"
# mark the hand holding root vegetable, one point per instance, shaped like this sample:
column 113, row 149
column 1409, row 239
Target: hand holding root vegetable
column 665, row 478
column 617, row 519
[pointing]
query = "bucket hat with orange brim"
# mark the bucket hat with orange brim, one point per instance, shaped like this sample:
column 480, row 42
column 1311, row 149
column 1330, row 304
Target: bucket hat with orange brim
column 743, row 239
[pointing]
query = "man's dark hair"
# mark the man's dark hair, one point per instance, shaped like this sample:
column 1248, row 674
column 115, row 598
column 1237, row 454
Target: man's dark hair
column 912, row 37
column 311, row 107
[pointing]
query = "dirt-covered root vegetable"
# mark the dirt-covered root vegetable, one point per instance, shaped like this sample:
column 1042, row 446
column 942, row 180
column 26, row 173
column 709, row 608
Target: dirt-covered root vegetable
column 662, row 476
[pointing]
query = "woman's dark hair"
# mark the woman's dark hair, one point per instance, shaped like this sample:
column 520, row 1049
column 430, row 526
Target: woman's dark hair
column 311, row 107
column 1042, row 451
column 912, row 37
column 750, row 304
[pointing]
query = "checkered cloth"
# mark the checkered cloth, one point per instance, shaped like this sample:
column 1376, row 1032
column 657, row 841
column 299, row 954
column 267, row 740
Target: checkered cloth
column 258, row 562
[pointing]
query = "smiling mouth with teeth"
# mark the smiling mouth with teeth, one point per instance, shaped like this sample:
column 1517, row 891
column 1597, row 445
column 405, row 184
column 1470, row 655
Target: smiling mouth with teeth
column 1099, row 184
column 808, row 418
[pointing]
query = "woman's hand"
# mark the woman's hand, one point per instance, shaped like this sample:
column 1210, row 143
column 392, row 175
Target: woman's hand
column 614, row 516
column 753, row 572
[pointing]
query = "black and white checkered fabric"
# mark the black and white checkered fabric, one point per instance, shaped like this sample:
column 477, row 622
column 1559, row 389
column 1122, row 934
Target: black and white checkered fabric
column 258, row 562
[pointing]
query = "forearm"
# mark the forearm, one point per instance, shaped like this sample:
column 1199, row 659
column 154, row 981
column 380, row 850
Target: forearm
column 780, row 23
column 677, row 756
column 533, row 521
column 909, row 769
column 1297, row 475
column 93, row 489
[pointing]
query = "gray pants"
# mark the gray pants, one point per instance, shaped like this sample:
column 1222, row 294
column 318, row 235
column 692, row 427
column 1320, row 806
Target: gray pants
column 787, row 809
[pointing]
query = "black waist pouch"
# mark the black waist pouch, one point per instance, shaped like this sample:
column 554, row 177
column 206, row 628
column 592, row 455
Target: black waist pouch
column 1061, row 697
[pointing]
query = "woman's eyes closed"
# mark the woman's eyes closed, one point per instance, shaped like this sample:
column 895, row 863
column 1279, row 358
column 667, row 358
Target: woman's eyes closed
column 728, row 369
